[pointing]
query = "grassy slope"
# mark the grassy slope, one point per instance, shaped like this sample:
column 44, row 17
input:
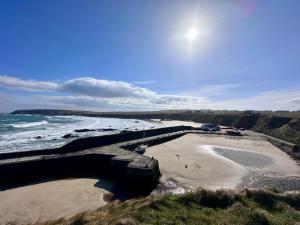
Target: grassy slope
column 200, row 207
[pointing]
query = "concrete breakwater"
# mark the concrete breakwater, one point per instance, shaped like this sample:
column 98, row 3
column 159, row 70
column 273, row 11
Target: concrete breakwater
column 109, row 156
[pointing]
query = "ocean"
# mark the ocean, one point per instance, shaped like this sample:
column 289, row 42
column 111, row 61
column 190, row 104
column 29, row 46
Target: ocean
column 32, row 132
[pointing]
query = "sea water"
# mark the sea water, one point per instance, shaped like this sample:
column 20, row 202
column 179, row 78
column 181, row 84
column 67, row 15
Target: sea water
column 31, row 132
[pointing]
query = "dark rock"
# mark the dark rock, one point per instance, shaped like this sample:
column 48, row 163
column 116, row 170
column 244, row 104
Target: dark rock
column 107, row 129
column 233, row 132
column 83, row 130
column 38, row 137
column 296, row 148
column 70, row 136
column 88, row 130
column 125, row 131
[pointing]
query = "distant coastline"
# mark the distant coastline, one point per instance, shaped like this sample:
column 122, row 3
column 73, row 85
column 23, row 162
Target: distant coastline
column 280, row 124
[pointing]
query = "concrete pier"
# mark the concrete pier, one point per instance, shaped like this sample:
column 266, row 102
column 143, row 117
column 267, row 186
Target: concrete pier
column 110, row 156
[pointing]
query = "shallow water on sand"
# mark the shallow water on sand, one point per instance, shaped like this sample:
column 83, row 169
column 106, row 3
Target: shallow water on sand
column 244, row 158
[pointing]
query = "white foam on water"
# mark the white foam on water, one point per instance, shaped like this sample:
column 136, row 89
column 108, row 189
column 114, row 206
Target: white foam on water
column 32, row 124
column 48, row 132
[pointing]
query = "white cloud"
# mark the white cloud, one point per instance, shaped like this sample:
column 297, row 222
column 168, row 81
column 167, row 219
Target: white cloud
column 144, row 82
column 83, row 86
column 272, row 100
column 104, row 88
column 29, row 85
column 215, row 90
column 177, row 101
column 157, row 103
column 105, row 95
column 296, row 101
column 276, row 100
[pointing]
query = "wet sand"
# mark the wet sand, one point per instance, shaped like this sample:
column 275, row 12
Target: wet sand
column 52, row 200
column 214, row 162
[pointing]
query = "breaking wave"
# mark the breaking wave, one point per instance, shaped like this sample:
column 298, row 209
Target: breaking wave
column 25, row 125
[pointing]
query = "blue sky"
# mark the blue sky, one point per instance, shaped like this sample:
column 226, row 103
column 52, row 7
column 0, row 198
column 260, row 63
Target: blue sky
column 137, row 55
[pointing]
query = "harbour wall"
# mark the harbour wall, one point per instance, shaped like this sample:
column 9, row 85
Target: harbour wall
column 109, row 157
column 97, row 141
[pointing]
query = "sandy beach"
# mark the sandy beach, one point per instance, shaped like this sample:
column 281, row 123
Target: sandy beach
column 171, row 123
column 52, row 200
column 214, row 162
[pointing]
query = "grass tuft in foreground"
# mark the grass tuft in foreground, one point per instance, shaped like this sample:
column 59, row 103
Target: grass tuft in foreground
column 249, row 207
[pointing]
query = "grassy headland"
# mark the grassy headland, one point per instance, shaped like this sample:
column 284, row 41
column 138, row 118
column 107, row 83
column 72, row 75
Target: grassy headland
column 249, row 207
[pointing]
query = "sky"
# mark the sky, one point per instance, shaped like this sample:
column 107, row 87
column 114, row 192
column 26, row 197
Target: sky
column 150, row 54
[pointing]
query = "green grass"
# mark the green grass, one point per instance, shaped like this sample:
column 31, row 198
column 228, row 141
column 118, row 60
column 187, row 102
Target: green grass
column 250, row 207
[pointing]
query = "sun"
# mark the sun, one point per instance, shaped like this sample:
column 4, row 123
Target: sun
column 192, row 34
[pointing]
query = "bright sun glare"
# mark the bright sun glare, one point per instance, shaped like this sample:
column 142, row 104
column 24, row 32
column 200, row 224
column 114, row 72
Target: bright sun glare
column 192, row 34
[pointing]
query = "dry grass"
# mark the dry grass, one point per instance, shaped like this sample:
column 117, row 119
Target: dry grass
column 249, row 207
